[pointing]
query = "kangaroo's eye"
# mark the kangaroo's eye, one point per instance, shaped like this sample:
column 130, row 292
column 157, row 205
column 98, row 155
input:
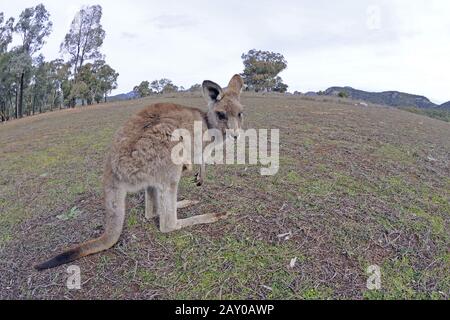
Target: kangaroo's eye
column 221, row 115
column 240, row 115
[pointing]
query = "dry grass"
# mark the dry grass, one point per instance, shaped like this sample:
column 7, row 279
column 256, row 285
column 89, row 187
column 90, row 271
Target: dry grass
column 357, row 186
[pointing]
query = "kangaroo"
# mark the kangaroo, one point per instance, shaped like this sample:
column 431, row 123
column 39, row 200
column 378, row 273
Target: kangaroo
column 140, row 159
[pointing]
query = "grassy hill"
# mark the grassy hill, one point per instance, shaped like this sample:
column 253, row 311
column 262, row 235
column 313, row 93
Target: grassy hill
column 357, row 186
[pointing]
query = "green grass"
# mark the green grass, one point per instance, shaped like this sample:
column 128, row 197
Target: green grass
column 401, row 281
column 440, row 114
column 355, row 188
column 394, row 153
column 227, row 268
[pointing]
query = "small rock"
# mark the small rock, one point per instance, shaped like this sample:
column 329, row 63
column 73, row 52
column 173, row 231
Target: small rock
column 293, row 262
column 285, row 236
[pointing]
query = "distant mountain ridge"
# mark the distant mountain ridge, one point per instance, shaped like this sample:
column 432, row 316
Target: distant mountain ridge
column 124, row 96
column 445, row 105
column 389, row 98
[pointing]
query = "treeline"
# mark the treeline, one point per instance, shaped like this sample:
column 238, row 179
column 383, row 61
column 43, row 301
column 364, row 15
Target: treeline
column 146, row 88
column 29, row 84
column 261, row 74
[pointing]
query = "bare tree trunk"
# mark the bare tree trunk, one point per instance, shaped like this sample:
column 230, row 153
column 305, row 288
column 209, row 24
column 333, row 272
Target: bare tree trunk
column 2, row 113
column 17, row 105
column 53, row 101
column 20, row 105
column 10, row 106
column 33, row 104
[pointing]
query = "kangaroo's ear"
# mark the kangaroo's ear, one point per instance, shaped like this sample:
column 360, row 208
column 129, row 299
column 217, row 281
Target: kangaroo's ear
column 236, row 85
column 212, row 91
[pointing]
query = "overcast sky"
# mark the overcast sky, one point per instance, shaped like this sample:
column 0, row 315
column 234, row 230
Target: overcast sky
column 371, row 45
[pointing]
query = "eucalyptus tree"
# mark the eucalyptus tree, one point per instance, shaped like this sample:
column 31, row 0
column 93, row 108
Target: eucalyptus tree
column 6, row 82
column 83, row 41
column 261, row 69
column 6, row 30
column 33, row 26
column 107, row 81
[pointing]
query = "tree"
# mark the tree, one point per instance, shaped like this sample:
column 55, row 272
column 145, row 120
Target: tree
column 107, row 81
column 280, row 86
column 6, row 81
column 163, row 86
column 85, row 84
column 7, row 86
column 21, row 65
column 33, row 26
column 84, row 39
column 343, row 94
column 79, row 90
column 30, row 84
column 156, row 86
column 45, row 90
column 40, row 85
column 261, row 69
column 195, row 88
column 60, row 72
column 170, row 88
column 100, row 78
column 143, row 89
column 6, row 29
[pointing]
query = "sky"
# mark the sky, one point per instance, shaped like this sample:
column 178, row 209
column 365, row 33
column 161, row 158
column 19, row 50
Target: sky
column 376, row 45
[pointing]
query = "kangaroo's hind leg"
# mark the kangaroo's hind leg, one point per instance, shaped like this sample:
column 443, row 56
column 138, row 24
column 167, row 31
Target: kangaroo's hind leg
column 168, row 220
column 201, row 176
column 152, row 200
column 151, row 203
column 167, row 198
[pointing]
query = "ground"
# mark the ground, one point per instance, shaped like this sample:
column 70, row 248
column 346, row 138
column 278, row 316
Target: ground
column 357, row 186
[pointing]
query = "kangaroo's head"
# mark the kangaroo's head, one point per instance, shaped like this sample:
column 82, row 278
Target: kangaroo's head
column 225, row 111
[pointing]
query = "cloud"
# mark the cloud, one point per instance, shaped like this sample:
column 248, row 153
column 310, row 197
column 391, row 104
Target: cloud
column 326, row 42
column 173, row 21
column 129, row 35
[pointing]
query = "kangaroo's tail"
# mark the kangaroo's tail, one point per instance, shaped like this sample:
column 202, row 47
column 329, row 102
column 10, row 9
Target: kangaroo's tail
column 115, row 215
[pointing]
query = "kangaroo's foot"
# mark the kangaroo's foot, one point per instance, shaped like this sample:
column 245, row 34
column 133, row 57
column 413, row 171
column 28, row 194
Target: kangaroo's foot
column 202, row 219
column 186, row 203
column 192, row 221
